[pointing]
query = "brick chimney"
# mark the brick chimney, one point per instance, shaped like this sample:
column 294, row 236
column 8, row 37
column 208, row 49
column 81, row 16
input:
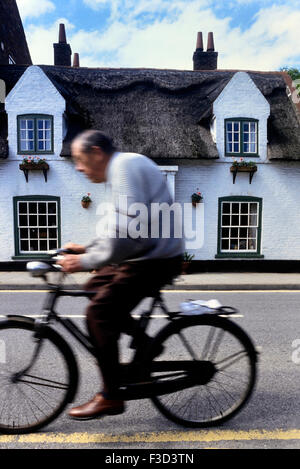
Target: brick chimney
column 76, row 61
column 62, row 50
column 205, row 60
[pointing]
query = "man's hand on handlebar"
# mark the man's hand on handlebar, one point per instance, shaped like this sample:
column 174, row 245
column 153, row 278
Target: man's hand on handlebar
column 75, row 248
column 71, row 261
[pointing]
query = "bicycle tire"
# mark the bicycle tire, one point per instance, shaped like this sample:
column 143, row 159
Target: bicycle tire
column 53, row 339
column 213, row 321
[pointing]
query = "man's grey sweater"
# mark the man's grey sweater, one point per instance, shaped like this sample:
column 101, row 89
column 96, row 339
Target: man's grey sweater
column 130, row 232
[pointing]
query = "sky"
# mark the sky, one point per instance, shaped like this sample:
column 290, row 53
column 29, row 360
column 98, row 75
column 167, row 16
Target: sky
column 249, row 34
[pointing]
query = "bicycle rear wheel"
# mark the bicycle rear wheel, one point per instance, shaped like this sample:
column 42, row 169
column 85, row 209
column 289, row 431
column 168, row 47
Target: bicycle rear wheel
column 37, row 397
column 225, row 377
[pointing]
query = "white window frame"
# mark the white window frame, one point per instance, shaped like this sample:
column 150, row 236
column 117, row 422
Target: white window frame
column 233, row 142
column 170, row 174
column 37, row 227
column 231, row 226
column 36, row 139
column 250, row 133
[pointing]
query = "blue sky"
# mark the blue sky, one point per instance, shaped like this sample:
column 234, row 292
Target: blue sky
column 162, row 33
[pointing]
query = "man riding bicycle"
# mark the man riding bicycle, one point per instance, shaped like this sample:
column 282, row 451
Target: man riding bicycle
column 128, row 268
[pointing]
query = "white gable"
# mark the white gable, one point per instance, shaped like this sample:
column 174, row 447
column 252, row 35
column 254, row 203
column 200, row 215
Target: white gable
column 241, row 98
column 35, row 94
column 32, row 90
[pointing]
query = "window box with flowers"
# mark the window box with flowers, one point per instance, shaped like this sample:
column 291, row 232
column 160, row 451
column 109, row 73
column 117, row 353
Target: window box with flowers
column 31, row 163
column 196, row 197
column 243, row 166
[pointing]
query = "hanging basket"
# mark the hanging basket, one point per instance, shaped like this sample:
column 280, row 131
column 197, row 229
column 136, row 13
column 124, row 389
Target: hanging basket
column 85, row 204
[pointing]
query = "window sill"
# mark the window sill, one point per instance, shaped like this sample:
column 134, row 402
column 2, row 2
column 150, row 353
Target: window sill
column 29, row 153
column 242, row 155
column 29, row 257
column 239, row 255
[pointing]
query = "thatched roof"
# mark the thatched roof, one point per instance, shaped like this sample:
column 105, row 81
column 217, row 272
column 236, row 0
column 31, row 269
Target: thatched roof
column 164, row 113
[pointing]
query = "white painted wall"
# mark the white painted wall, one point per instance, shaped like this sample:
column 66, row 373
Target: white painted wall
column 276, row 183
column 34, row 93
column 241, row 98
column 77, row 224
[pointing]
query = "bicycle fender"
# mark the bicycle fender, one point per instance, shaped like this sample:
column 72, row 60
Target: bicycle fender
column 190, row 320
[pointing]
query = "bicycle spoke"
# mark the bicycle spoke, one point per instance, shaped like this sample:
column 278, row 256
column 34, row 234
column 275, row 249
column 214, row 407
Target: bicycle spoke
column 44, row 379
column 187, row 346
column 33, row 402
column 212, row 344
column 214, row 398
column 234, row 358
column 28, row 401
column 224, row 392
column 227, row 375
column 42, row 384
column 41, row 394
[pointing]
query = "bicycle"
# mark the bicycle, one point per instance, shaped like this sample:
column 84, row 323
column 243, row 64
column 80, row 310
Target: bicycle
column 210, row 380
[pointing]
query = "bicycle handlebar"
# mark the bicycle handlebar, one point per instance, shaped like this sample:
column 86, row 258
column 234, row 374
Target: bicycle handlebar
column 60, row 251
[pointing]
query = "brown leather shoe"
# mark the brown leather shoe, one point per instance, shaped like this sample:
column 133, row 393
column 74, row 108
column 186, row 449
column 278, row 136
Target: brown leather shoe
column 97, row 407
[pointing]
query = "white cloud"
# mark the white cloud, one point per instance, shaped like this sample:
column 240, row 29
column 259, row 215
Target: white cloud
column 34, row 8
column 168, row 41
column 95, row 4
column 41, row 39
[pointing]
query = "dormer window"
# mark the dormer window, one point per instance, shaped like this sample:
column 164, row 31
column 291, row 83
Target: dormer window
column 241, row 137
column 35, row 134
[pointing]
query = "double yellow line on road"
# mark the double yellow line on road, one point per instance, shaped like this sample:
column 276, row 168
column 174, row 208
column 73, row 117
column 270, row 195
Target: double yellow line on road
column 153, row 437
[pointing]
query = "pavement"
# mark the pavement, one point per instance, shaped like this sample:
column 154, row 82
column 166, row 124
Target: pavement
column 199, row 281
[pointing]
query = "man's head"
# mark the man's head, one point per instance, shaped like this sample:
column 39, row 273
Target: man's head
column 91, row 151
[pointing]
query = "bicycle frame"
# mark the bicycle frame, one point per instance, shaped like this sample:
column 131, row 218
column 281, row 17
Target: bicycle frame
column 132, row 390
column 67, row 323
column 57, row 292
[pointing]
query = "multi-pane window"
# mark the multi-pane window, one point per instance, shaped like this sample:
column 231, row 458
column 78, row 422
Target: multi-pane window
column 35, row 134
column 233, row 143
column 37, row 229
column 240, row 225
column 241, row 137
column 249, row 137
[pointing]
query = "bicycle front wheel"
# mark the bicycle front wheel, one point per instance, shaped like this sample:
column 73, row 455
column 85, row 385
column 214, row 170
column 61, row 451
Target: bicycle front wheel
column 31, row 399
column 219, row 362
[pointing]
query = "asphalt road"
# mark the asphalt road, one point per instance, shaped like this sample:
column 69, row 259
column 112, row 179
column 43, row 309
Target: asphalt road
column 270, row 420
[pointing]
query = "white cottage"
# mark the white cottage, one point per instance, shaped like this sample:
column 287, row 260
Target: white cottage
column 194, row 124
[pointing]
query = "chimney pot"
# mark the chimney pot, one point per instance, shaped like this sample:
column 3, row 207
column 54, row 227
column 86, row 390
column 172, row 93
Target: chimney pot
column 199, row 45
column 76, row 61
column 210, row 43
column 205, row 60
column 62, row 50
column 62, row 39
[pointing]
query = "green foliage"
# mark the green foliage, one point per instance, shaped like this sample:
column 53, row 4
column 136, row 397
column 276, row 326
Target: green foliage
column 86, row 198
column 188, row 257
column 197, row 197
column 33, row 161
column 243, row 163
column 292, row 71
